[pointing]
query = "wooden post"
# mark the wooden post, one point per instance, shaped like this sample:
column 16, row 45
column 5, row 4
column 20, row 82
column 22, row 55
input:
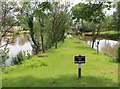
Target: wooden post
column 79, row 60
column 79, row 70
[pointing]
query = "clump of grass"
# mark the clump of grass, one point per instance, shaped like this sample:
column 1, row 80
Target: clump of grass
column 34, row 63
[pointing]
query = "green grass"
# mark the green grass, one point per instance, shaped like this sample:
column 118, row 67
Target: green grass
column 57, row 69
column 18, row 32
column 106, row 33
column 109, row 32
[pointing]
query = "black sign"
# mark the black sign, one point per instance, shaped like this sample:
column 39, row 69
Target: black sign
column 79, row 59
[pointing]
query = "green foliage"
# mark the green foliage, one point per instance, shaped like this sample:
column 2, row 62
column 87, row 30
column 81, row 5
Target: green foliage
column 46, row 21
column 28, row 55
column 60, row 22
column 79, row 11
column 61, row 70
column 89, row 12
column 18, row 59
column 108, row 24
column 116, row 18
column 3, row 55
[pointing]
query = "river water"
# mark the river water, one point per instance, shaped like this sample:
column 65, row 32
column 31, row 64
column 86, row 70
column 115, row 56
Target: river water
column 17, row 44
column 106, row 46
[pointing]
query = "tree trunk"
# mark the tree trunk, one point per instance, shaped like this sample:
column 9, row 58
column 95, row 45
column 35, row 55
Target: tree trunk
column 82, row 23
column 55, row 45
column 36, row 46
column 93, row 42
column 94, row 38
column 95, row 35
column 42, row 41
column 37, row 50
column 118, row 35
column 54, row 34
column 81, row 28
column 41, row 22
column 55, row 41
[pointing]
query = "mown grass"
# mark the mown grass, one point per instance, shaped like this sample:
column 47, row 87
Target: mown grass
column 106, row 33
column 109, row 32
column 56, row 68
column 111, row 35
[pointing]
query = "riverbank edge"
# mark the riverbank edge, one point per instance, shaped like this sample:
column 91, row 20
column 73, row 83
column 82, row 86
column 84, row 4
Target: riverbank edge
column 106, row 36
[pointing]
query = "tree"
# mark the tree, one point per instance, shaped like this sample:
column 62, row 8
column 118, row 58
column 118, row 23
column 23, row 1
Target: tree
column 116, row 18
column 108, row 23
column 80, row 12
column 92, row 13
column 96, row 19
column 7, row 21
column 46, row 21
column 59, row 21
column 42, row 13
column 27, row 20
column 7, row 17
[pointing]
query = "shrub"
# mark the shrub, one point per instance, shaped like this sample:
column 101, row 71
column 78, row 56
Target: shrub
column 3, row 55
column 28, row 55
column 18, row 59
column 118, row 53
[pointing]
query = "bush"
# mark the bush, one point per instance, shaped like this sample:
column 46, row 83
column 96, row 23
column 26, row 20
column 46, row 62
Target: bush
column 28, row 55
column 118, row 53
column 3, row 55
column 18, row 59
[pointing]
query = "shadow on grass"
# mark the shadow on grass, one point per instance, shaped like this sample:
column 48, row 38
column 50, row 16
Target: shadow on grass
column 61, row 81
column 78, row 42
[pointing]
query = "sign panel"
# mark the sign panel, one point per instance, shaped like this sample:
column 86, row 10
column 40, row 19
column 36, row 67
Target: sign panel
column 79, row 59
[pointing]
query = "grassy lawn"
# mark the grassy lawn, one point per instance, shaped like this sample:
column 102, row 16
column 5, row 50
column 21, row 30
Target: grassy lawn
column 109, row 32
column 56, row 68
column 106, row 32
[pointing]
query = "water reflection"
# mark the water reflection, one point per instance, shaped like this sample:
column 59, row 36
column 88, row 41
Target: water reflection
column 17, row 44
column 106, row 46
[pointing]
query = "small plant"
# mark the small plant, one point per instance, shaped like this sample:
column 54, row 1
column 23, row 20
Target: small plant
column 21, row 56
column 18, row 59
column 15, row 61
column 28, row 55
column 3, row 55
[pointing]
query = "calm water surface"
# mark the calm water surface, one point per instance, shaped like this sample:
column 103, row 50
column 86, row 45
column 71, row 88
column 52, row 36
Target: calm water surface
column 106, row 46
column 17, row 44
